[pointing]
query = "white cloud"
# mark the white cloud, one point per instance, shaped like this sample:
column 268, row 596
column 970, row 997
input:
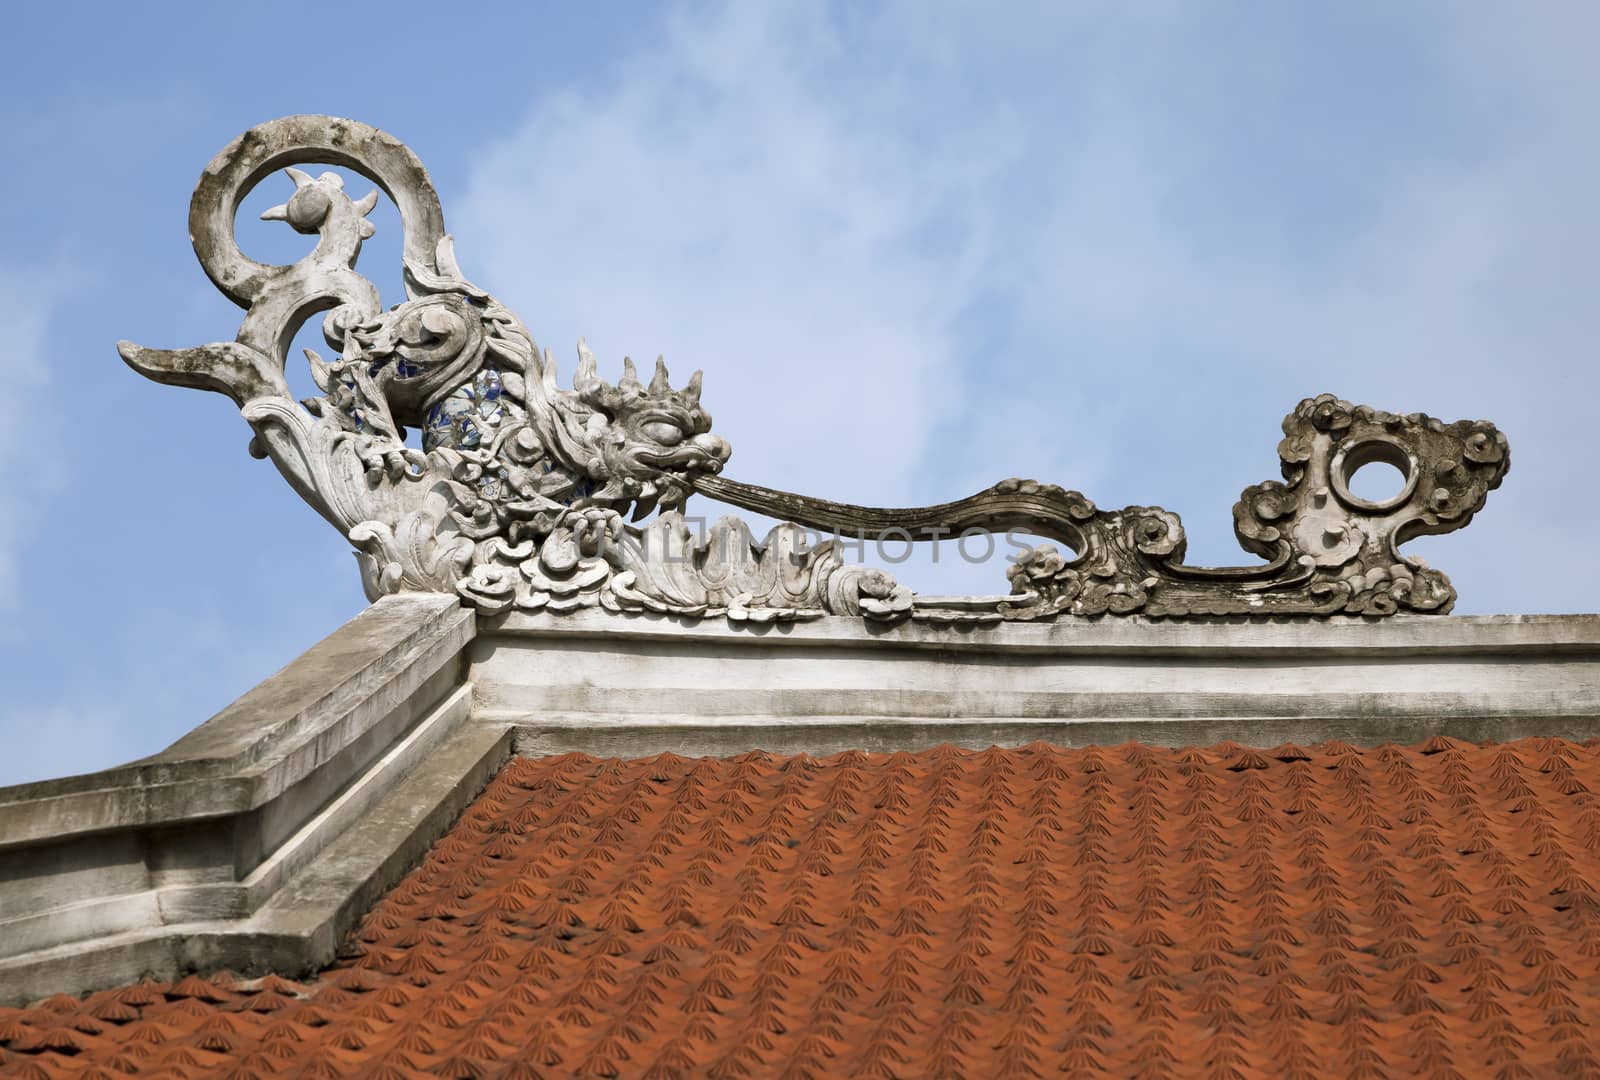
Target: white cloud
column 741, row 201
column 836, row 214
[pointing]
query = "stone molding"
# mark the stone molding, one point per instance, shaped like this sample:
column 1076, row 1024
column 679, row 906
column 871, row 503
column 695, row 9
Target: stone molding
column 279, row 733
column 641, row 686
column 207, row 852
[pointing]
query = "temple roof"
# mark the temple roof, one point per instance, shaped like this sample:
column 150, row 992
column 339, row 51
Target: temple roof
column 1217, row 911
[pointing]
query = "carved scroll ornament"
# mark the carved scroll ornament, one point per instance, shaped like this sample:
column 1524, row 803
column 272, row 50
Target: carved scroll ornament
column 519, row 492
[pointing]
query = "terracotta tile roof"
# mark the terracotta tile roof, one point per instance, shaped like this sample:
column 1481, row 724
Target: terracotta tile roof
column 1215, row 912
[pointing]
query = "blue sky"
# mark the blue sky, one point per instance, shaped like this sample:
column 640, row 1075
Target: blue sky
column 916, row 248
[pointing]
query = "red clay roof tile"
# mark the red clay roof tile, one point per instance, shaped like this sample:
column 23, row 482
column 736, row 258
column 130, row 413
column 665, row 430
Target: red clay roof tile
column 1216, row 911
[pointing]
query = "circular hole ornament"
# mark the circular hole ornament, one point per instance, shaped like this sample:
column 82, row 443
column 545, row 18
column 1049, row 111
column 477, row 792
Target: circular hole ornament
column 1353, row 456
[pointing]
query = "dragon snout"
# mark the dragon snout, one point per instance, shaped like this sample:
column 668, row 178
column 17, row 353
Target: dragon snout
column 713, row 451
column 668, row 470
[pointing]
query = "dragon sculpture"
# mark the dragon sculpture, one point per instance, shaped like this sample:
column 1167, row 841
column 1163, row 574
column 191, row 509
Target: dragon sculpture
column 521, row 493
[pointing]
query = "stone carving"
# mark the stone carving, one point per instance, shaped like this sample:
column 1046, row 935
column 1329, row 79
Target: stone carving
column 518, row 493
column 521, row 490
column 1328, row 551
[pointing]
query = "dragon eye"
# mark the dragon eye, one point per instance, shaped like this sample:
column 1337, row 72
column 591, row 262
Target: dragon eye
column 662, row 433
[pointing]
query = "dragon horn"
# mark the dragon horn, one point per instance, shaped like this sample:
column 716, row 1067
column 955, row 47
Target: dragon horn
column 301, row 179
column 630, row 375
column 276, row 213
column 692, row 391
column 365, row 204
column 548, row 375
column 585, row 375
column 659, row 385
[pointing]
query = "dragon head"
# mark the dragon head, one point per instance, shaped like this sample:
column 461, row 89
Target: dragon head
column 650, row 440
